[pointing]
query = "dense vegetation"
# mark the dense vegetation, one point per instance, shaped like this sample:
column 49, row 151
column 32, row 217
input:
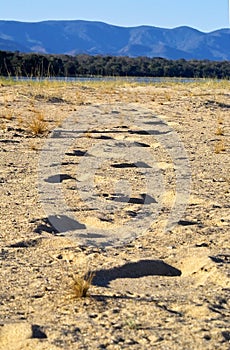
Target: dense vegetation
column 39, row 65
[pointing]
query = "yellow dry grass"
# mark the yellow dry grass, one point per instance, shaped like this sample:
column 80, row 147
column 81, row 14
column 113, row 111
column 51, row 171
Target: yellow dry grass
column 81, row 285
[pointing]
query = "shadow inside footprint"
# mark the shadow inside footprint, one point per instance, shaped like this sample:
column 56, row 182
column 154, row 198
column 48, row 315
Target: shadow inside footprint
column 37, row 332
column 63, row 223
column 134, row 270
column 77, row 153
column 59, row 178
column 144, row 199
column 187, row 222
column 131, row 165
column 55, row 224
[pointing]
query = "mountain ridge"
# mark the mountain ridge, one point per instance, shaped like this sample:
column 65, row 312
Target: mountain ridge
column 99, row 38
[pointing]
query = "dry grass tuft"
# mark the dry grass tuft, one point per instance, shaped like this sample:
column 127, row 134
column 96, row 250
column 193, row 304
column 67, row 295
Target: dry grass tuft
column 88, row 134
column 37, row 126
column 167, row 96
column 33, row 146
column 219, row 131
column 40, row 116
column 81, row 284
column 7, row 116
column 219, row 147
column 3, row 126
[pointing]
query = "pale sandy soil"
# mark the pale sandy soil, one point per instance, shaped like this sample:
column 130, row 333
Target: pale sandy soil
column 161, row 290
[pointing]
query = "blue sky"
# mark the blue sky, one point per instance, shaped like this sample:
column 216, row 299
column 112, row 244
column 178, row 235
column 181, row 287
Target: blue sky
column 204, row 15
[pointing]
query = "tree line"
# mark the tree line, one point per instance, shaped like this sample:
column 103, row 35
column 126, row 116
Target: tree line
column 47, row 65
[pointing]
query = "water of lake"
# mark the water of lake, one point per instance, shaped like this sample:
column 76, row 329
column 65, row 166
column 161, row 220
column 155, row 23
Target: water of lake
column 146, row 80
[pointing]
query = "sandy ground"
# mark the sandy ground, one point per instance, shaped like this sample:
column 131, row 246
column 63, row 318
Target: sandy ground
column 154, row 289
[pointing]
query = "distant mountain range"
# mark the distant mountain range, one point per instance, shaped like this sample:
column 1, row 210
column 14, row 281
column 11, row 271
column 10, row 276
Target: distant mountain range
column 98, row 38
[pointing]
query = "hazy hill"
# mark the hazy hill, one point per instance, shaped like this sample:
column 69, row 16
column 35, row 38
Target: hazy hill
column 73, row 37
